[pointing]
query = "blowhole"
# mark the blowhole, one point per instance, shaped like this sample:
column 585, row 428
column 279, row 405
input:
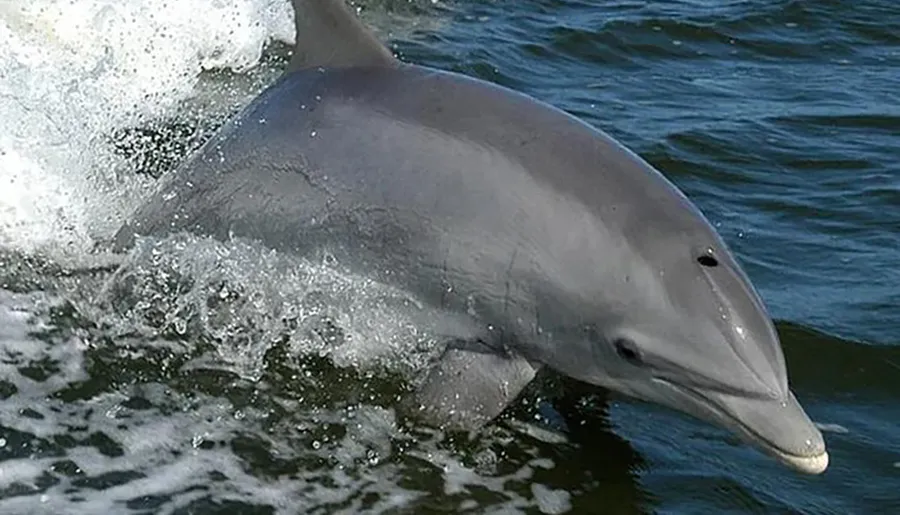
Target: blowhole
column 708, row 261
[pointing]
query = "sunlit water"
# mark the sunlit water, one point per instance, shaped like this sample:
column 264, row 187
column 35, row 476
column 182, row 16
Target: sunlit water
column 192, row 376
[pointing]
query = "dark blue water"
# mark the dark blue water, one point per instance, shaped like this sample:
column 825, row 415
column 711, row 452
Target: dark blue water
column 780, row 119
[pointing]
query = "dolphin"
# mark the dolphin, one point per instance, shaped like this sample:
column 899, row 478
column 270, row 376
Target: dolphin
column 534, row 239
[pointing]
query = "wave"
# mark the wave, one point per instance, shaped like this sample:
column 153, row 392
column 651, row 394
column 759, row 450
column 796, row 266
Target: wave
column 633, row 33
column 881, row 122
column 822, row 363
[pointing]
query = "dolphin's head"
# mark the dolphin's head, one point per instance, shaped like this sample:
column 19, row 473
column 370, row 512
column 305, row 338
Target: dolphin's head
column 683, row 327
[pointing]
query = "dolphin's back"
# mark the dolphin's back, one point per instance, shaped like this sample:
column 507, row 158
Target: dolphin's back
column 417, row 155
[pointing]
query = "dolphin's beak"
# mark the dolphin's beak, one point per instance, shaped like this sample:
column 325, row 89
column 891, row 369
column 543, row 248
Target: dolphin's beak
column 778, row 427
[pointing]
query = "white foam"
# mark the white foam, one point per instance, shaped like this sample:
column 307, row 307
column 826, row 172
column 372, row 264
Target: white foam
column 72, row 72
column 176, row 448
column 551, row 501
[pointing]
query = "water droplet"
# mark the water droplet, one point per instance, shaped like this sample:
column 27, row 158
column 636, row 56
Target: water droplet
column 316, row 445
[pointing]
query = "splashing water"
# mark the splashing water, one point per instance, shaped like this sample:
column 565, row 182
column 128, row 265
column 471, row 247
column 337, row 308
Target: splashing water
column 72, row 74
column 200, row 375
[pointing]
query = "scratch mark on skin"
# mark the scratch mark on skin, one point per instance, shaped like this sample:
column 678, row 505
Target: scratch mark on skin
column 509, row 269
column 445, row 282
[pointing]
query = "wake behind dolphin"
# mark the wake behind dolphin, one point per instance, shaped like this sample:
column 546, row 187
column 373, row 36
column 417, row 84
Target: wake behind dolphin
column 533, row 239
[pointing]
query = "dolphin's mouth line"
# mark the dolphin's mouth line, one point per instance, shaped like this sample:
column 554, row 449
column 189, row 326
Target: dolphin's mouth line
column 810, row 463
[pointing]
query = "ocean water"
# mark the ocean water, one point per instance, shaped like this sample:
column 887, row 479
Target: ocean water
column 191, row 376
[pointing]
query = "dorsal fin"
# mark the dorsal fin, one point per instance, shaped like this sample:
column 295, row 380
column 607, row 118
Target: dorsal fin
column 330, row 35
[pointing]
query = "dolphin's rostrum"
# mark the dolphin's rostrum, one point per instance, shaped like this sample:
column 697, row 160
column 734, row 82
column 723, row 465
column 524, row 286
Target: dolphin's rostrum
column 536, row 239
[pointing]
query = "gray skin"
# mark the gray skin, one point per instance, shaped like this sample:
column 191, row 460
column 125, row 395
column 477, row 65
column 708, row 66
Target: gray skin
column 533, row 238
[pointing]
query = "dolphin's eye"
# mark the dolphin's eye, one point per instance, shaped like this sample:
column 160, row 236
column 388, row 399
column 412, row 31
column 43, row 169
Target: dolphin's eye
column 707, row 260
column 627, row 350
